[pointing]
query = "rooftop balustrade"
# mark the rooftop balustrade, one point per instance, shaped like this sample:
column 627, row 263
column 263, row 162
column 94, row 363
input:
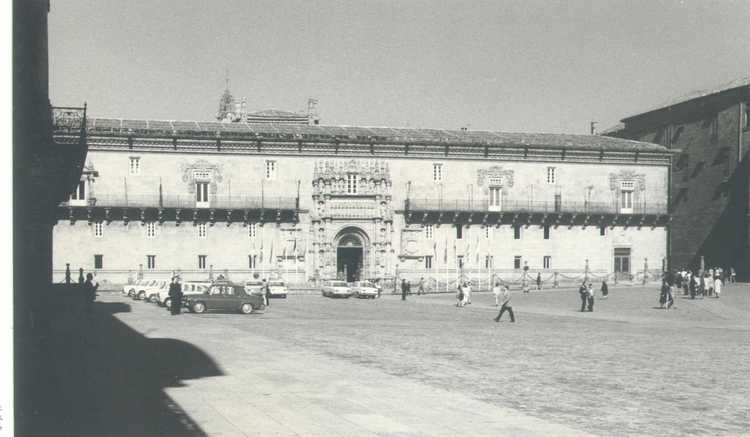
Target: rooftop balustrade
column 164, row 201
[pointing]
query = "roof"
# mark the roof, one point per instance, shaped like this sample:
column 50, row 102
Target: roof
column 275, row 113
column 697, row 94
column 321, row 133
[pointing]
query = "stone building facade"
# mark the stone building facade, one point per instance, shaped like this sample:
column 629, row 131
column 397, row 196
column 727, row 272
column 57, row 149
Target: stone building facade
column 709, row 132
column 310, row 202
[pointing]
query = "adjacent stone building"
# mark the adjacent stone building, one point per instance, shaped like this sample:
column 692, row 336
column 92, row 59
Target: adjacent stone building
column 306, row 202
column 709, row 132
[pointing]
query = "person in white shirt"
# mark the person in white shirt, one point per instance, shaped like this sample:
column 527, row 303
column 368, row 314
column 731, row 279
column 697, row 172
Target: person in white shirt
column 467, row 293
column 506, row 306
column 717, row 286
column 496, row 291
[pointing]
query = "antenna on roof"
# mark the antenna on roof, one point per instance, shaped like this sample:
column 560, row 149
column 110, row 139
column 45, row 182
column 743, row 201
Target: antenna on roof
column 592, row 126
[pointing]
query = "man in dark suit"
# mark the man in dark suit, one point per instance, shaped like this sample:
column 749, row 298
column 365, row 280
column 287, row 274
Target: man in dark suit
column 175, row 295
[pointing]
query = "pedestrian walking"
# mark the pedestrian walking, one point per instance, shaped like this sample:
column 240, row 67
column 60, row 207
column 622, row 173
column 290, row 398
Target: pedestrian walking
column 717, row 287
column 691, row 285
column 175, row 296
column 506, row 306
column 605, row 289
column 460, row 295
column 420, row 287
column 404, row 289
column 538, row 281
column 584, row 293
column 467, row 292
column 89, row 292
column 590, row 296
column 732, row 275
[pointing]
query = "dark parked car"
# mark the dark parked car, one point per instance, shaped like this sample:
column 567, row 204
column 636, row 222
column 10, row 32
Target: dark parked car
column 225, row 296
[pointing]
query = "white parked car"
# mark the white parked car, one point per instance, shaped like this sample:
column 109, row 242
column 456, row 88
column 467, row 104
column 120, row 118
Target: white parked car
column 129, row 289
column 277, row 288
column 146, row 292
column 188, row 288
column 336, row 289
column 364, row 290
column 140, row 287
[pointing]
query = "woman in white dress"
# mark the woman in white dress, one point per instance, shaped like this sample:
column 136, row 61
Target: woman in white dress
column 717, row 286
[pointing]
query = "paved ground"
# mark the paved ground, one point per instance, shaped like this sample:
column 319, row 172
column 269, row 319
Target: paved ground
column 316, row 366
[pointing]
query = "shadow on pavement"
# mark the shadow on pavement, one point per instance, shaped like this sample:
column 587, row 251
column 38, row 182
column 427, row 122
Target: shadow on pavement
column 92, row 375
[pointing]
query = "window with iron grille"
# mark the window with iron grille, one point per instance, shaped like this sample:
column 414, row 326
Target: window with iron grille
column 201, row 230
column 428, row 232
column 547, row 262
column 551, row 175
column 151, row 262
column 489, row 261
column 202, row 262
column 98, row 229
column 150, row 229
column 437, row 172
column 351, row 183
column 270, row 170
column 98, row 261
column 252, row 261
column 428, row 262
column 517, row 232
column 135, row 165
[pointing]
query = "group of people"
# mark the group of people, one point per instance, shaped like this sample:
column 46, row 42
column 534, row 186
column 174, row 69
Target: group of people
column 696, row 283
column 586, row 292
column 406, row 287
column 463, row 293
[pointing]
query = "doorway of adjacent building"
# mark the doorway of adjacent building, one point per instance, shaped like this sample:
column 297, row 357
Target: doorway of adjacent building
column 622, row 263
column 350, row 254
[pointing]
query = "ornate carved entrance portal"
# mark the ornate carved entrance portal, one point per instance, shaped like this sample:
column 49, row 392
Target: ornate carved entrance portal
column 352, row 222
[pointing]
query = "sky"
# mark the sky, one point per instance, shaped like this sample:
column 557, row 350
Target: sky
column 516, row 66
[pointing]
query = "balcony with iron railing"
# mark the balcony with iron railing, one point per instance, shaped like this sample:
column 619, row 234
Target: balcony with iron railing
column 65, row 156
column 567, row 207
column 187, row 201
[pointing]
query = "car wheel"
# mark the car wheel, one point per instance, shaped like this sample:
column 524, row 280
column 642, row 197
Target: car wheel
column 199, row 307
column 284, row 296
column 141, row 295
column 153, row 299
column 246, row 308
column 168, row 302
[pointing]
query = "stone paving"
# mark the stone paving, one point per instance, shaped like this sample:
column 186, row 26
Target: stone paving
column 321, row 367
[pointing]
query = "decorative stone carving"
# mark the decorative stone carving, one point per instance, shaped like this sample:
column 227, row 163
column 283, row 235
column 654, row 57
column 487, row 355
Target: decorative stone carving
column 495, row 172
column 627, row 175
column 201, row 170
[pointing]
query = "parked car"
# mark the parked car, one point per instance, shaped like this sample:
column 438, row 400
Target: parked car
column 129, row 289
column 188, row 288
column 144, row 291
column 364, row 290
column 225, row 296
column 277, row 288
column 336, row 289
column 142, row 285
column 153, row 293
column 255, row 287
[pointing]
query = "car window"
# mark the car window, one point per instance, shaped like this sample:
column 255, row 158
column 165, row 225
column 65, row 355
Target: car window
column 338, row 284
column 276, row 284
column 366, row 284
column 229, row 291
column 215, row 291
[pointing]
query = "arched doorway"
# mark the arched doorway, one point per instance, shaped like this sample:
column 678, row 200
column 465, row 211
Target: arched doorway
column 351, row 254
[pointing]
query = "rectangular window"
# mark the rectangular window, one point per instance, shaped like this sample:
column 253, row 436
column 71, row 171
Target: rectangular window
column 517, row 262
column 622, row 261
column 135, row 165
column 437, row 172
column 460, row 261
column 150, row 229
column 489, row 261
column 201, row 193
column 428, row 232
column 517, row 232
column 98, row 261
column 252, row 230
column 151, row 262
column 202, row 262
column 551, row 176
column 79, row 195
column 98, row 229
column 547, row 262
column 459, row 231
column 351, row 183
column 626, row 196
column 270, row 170
column 252, row 261
column 546, row 232
column 496, row 198
column 428, row 262
column 201, row 230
